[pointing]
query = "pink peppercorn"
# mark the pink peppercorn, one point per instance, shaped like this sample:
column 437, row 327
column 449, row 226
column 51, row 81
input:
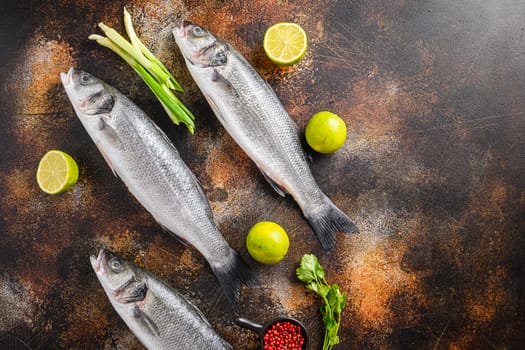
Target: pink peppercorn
column 283, row 336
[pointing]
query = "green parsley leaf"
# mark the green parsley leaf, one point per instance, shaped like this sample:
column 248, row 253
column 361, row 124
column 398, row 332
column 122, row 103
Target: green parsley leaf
column 312, row 273
column 307, row 269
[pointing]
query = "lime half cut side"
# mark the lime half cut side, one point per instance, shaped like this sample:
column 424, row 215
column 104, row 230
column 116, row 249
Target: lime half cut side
column 57, row 172
column 285, row 43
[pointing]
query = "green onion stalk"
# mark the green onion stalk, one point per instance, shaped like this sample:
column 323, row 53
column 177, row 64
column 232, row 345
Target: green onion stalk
column 161, row 82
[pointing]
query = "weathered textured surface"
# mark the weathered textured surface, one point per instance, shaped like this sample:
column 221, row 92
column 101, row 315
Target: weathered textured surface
column 432, row 172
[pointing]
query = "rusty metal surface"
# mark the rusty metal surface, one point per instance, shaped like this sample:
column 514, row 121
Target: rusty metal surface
column 432, row 172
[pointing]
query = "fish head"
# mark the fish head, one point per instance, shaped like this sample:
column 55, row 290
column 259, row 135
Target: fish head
column 88, row 95
column 112, row 271
column 199, row 46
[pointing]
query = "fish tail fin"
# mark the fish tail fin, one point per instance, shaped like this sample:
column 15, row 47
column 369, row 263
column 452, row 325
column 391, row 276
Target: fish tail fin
column 328, row 221
column 232, row 274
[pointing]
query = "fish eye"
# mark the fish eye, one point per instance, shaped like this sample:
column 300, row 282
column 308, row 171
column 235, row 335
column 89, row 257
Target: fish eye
column 198, row 31
column 115, row 265
column 85, row 78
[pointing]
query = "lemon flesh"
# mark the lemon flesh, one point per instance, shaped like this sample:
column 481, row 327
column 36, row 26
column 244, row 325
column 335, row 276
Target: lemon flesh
column 285, row 43
column 267, row 242
column 57, row 172
column 325, row 132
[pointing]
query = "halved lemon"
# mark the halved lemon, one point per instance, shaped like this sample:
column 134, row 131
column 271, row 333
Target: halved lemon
column 57, row 172
column 285, row 43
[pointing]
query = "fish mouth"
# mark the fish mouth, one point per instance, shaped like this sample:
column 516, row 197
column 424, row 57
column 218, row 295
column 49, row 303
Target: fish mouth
column 97, row 262
column 67, row 78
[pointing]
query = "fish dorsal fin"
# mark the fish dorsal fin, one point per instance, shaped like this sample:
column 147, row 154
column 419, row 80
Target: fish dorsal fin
column 145, row 321
column 274, row 184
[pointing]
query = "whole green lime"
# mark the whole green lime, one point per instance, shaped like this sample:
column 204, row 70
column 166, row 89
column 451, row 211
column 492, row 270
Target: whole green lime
column 325, row 132
column 267, row 242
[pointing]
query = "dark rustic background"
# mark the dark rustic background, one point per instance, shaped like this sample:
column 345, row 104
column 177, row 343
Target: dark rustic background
column 432, row 172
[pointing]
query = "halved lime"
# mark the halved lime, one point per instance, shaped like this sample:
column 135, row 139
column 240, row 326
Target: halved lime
column 285, row 43
column 57, row 172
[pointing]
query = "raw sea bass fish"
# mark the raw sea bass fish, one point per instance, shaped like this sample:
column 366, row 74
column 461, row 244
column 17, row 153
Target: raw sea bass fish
column 250, row 111
column 153, row 171
column 159, row 316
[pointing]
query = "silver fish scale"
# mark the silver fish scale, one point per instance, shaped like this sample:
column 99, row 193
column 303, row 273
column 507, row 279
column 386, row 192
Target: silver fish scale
column 272, row 141
column 155, row 174
column 180, row 324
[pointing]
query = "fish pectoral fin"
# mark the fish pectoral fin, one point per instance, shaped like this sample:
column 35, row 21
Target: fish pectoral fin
column 182, row 241
column 131, row 292
column 106, row 158
column 218, row 78
column 108, row 129
column 146, row 321
column 214, row 108
column 274, row 184
column 104, row 126
column 215, row 76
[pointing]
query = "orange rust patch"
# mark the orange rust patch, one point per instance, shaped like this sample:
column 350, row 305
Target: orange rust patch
column 220, row 164
column 35, row 115
column 39, row 279
column 300, row 299
column 292, row 297
column 373, row 284
column 379, row 109
column 83, row 316
column 375, row 278
column 158, row 259
column 496, row 200
column 45, row 60
column 118, row 239
column 19, row 184
column 186, row 259
column 385, row 16
column 165, row 261
column 461, row 342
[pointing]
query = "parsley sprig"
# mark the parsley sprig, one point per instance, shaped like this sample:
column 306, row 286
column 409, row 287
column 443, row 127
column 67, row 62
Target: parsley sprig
column 312, row 273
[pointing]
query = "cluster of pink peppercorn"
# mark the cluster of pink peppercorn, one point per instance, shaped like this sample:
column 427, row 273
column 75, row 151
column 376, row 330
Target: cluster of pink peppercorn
column 283, row 336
